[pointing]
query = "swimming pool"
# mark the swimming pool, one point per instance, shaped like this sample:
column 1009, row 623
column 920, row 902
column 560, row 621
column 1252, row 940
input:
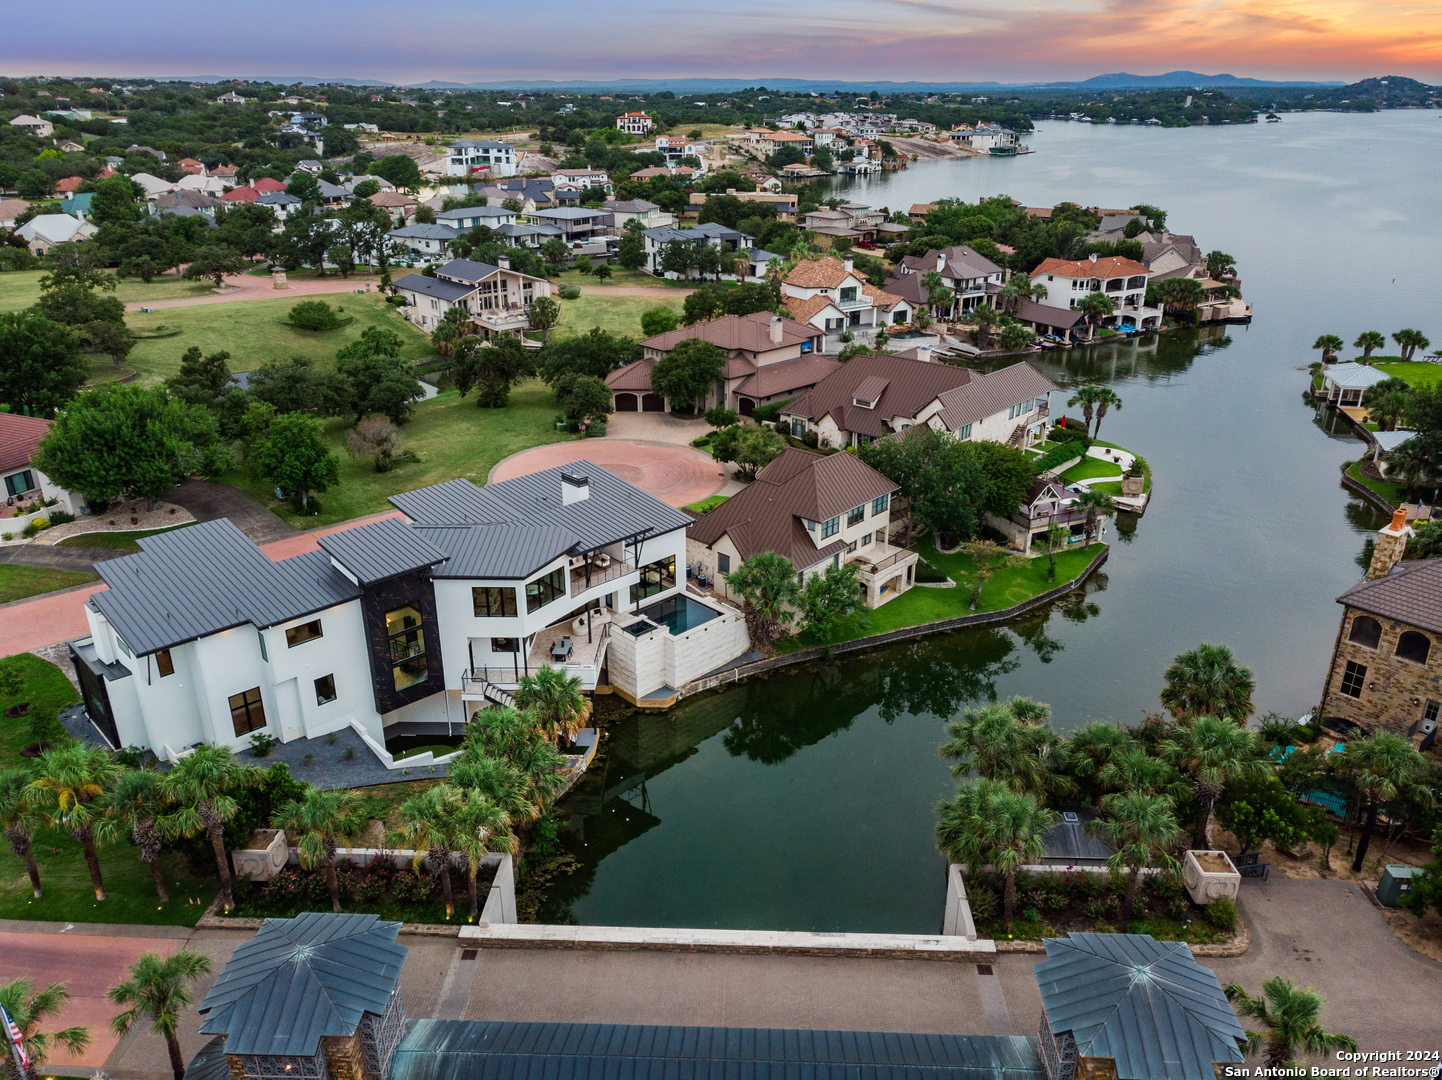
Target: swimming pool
column 679, row 613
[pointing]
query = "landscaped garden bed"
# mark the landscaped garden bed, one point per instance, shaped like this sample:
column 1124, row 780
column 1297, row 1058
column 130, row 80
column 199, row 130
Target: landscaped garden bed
column 392, row 892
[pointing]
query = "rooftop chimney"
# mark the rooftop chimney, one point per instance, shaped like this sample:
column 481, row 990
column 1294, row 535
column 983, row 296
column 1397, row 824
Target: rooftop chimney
column 574, row 488
column 504, row 262
column 776, row 329
column 923, row 353
column 849, row 264
column 1391, row 542
column 1093, row 256
column 940, row 261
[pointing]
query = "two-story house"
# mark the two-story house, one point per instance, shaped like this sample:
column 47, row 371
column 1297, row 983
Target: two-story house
column 830, row 295
column 635, row 123
column 426, row 242
column 582, row 179
column 496, row 298
column 1123, row 280
column 649, row 214
column 972, row 278
column 817, row 510
column 464, row 219
column 471, row 155
column 674, row 149
column 711, row 234
column 578, row 224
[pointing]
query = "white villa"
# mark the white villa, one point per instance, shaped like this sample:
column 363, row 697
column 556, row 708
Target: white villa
column 1123, row 280
column 830, row 295
column 469, row 155
column 402, row 626
column 497, row 298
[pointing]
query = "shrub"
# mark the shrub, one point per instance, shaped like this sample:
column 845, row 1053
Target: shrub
column 414, row 888
column 7, row 537
column 61, row 517
column 286, row 887
column 315, row 889
column 262, row 742
column 569, row 292
column 314, row 315
column 1057, row 455
column 768, row 414
column 1075, row 430
column 984, row 903
column 367, row 887
column 1221, row 915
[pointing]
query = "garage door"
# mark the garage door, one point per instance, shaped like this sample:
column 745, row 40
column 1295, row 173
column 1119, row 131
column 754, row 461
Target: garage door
column 653, row 403
column 625, row 402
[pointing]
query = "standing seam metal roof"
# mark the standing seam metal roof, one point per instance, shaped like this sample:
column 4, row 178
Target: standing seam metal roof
column 383, row 549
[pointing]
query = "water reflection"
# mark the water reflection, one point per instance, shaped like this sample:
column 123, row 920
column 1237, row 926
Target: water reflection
column 1145, row 356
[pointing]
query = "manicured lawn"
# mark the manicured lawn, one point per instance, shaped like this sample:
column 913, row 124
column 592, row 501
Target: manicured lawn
column 18, row 582
column 20, row 289
column 613, row 314
column 1416, row 374
column 453, row 437
column 1008, row 587
column 706, row 504
column 1089, row 468
column 253, row 332
column 631, row 278
column 114, row 541
column 1146, row 469
column 1393, row 493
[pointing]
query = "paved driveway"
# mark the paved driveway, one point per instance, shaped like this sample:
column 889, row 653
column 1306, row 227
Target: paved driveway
column 677, row 475
column 208, row 501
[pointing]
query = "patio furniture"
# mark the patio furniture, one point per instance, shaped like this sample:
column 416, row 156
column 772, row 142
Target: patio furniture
column 561, row 649
column 603, row 561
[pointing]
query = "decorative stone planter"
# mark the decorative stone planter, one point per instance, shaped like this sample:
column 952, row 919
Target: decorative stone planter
column 1132, row 485
column 265, row 854
column 277, row 279
column 1210, row 875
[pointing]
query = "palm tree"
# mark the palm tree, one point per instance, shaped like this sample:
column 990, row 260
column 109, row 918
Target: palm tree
column 1087, row 396
column 1408, row 462
column 554, row 699
column 158, row 991
column 1107, row 399
column 767, row 586
column 1015, row 336
column 1368, row 341
column 500, row 782
column 1092, row 747
column 1293, row 1022
column 1411, row 341
column 545, row 312
column 313, row 823
column 938, row 295
column 69, row 787
column 1096, row 307
column 202, row 785
column 1210, row 752
column 1037, row 291
column 987, row 822
column 481, row 827
column 1143, row 829
column 1008, row 742
column 1331, row 345
column 1219, row 264
column 1096, row 505
column 985, row 318
column 1054, row 540
column 428, row 824
column 1383, row 766
column 1131, row 768
column 139, row 801
column 29, row 1011
column 21, row 819
column 1208, row 681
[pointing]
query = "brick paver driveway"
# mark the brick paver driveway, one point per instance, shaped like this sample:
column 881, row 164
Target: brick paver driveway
column 677, row 475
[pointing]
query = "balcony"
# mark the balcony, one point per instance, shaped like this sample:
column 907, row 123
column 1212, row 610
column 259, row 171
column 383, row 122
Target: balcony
column 583, row 661
column 878, row 558
column 508, row 317
column 601, row 572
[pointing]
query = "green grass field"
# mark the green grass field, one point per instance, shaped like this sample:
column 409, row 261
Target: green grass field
column 614, row 314
column 1089, row 468
column 453, row 437
column 709, row 503
column 115, row 541
column 253, row 332
column 631, row 278
column 1416, row 374
column 21, row 288
column 18, row 582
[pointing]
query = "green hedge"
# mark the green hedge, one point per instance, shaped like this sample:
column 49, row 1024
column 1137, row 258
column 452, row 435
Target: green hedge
column 1071, row 433
column 769, row 414
column 1059, row 454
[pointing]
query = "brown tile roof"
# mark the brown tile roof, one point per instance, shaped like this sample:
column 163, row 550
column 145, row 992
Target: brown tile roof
column 798, row 486
column 738, row 367
column 1410, row 594
column 908, row 287
column 1048, row 315
column 879, row 298
column 635, row 376
column 805, row 308
column 19, row 436
column 911, row 385
column 69, row 184
column 827, row 273
column 787, row 376
column 922, row 208
column 989, row 393
column 751, row 333
column 1111, row 266
column 961, row 262
column 12, row 208
column 392, row 198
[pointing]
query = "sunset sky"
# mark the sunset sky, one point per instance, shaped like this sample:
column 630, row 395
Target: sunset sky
column 900, row 40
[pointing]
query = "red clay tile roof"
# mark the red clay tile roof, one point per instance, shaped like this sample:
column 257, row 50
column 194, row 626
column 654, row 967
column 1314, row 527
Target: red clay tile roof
column 265, row 184
column 1410, row 594
column 19, row 436
column 69, row 184
column 827, row 273
column 1111, row 266
column 805, row 308
column 241, row 195
column 751, row 333
column 635, row 376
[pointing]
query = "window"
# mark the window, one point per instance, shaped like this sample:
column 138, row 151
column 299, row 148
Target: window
column 857, row 516
column 263, row 654
column 878, row 506
column 247, row 711
column 723, row 563
column 831, row 527
column 19, row 483
column 1366, row 631
column 407, row 645
column 848, row 295
column 1353, row 679
column 851, row 547
column 866, row 539
column 505, row 645
column 655, row 577
column 299, row 635
column 543, row 590
column 164, row 664
column 964, row 432
column 494, row 602
column 1414, row 646
column 325, row 689
column 1430, row 711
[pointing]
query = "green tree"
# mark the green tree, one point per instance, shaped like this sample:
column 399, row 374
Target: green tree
column 429, row 824
column 1005, row 741
column 314, row 824
column 989, row 557
column 688, row 373
column 1383, row 767
column 303, row 186
column 555, row 251
column 400, row 170
column 1106, row 399
column 545, row 313
column 1208, row 681
column 1211, row 753
column 70, row 788
column 1054, row 540
column 294, row 456
column 987, row 822
column 1220, row 265
column 138, row 800
column 380, row 380
column 1411, row 341
column 1330, row 344
column 1095, row 505
column 21, row 819
column 201, row 379
column 215, row 261
column 40, row 363
column 1368, row 341
column 492, row 368
column 158, row 990
column 658, row 320
column 1008, row 475
column 1015, row 336
column 553, row 699
column 750, row 447
column 1291, row 1020
column 596, row 353
column 114, row 201
column 985, row 317
column 631, row 252
column 1143, row 829
column 584, row 397
column 768, row 587
column 1096, row 307
column 29, row 1012
column 719, row 416
column 295, row 385
column 830, row 599
column 481, row 827
column 203, row 785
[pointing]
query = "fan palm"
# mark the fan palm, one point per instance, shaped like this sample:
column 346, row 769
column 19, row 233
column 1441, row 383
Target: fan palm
column 1143, row 829
column 502, row 784
column 1095, row 505
column 1210, row 752
column 202, row 785
column 987, row 822
column 29, row 1011
column 1092, row 747
column 1096, row 307
column 1292, row 1019
column 1408, row 462
column 1368, row 341
column 1007, row 742
column 1411, row 341
column 428, row 825
column 21, row 819
column 313, row 823
column 1086, row 396
column 1330, row 344
column 481, row 827
column 1383, row 766
column 158, row 990
column 767, row 585
column 554, row 699
column 1131, row 768
column 1107, row 399
column 139, row 802
column 69, row 787
column 985, row 318
column 1208, row 681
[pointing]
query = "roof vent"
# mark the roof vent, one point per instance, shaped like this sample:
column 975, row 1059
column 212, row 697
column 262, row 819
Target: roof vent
column 1069, row 816
column 574, row 488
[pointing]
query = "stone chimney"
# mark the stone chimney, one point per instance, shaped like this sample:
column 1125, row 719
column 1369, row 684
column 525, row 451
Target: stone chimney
column 1391, row 542
column 776, row 329
column 504, row 262
column 940, row 261
column 574, row 488
column 849, row 264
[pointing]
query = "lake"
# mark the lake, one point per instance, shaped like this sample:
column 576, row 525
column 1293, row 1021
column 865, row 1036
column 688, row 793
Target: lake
column 804, row 801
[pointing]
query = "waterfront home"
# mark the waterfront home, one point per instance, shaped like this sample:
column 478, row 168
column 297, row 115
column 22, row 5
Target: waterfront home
column 1344, row 384
column 817, row 510
column 497, row 299
column 401, row 208
column 43, row 232
column 830, row 295
column 467, row 156
column 582, row 179
column 19, row 439
column 1124, row 281
column 764, row 142
column 785, row 202
column 530, row 195
column 972, row 278
column 577, row 223
column 399, row 626
column 1383, row 676
column 710, row 234
column 1047, row 502
column 466, row 218
column 872, row 397
column 768, row 359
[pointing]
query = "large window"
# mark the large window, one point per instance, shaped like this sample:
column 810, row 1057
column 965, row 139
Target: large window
column 1366, row 631
column 20, row 483
column 857, row 516
column 543, row 590
column 723, row 563
column 1414, row 646
column 1354, row 677
column 878, row 506
column 831, row 527
column 325, row 690
column 655, row 577
column 247, row 711
column 299, row 635
column 494, row 602
column 407, row 645
column 164, row 663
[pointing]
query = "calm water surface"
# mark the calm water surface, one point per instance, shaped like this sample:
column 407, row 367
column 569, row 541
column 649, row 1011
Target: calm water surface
column 803, row 801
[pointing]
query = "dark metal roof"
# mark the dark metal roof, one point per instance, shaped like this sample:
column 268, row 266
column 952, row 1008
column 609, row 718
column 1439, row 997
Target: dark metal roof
column 1070, row 842
column 1145, row 1003
column 488, row 1050
column 429, row 286
column 209, row 1063
column 496, row 551
column 467, row 270
column 211, row 577
column 615, row 509
column 383, row 549
column 301, row 979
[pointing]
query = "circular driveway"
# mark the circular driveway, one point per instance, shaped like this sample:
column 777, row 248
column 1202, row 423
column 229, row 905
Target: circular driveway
column 677, row 475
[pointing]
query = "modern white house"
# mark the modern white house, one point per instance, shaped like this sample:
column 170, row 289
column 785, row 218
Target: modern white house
column 635, row 123
column 401, row 626
column 469, row 155
column 712, row 234
column 1123, row 280
column 497, row 298
column 467, row 218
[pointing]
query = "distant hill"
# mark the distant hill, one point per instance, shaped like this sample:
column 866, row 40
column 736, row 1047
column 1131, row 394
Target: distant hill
column 1177, row 79
column 1118, row 81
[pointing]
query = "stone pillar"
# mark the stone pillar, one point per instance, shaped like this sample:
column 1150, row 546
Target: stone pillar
column 277, row 278
column 1391, row 542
